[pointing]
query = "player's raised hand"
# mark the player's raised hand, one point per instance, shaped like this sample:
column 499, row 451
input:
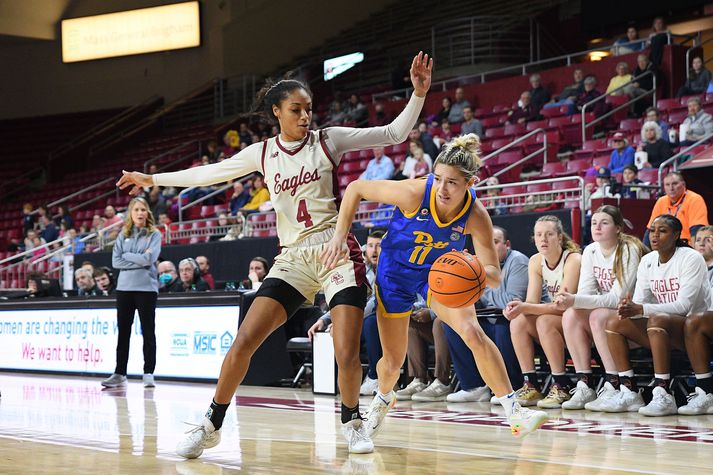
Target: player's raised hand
column 334, row 251
column 421, row 68
column 134, row 179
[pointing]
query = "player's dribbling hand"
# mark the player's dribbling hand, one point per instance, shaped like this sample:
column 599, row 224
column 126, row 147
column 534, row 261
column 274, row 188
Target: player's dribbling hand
column 334, row 251
column 421, row 69
column 138, row 180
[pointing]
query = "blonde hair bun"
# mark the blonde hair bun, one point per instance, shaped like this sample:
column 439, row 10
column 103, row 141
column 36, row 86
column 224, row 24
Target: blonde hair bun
column 469, row 142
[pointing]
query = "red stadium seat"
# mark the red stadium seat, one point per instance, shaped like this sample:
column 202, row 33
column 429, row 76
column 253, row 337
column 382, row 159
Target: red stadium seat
column 552, row 169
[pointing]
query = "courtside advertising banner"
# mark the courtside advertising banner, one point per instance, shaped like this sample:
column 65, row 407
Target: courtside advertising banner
column 191, row 342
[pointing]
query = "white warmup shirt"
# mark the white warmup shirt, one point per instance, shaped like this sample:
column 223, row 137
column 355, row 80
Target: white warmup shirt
column 554, row 277
column 301, row 176
column 598, row 288
column 678, row 287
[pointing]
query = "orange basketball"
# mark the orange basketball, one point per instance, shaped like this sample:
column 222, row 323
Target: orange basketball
column 457, row 279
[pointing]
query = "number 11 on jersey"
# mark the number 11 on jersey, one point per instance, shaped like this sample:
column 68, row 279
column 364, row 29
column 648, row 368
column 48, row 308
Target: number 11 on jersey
column 303, row 215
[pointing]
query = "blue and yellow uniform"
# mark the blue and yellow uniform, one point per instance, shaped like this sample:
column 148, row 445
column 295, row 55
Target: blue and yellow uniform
column 411, row 245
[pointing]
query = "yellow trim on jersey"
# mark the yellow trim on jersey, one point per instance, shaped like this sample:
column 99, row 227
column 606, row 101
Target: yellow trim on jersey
column 432, row 205
column 382, row 309
column 428, row 298
column 410, row 215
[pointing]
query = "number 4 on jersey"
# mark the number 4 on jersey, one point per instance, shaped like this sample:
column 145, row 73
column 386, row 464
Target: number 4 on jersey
column 303, row 215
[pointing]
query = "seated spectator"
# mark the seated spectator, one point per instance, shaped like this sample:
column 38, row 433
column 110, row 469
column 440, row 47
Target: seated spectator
column 111, row 216
column 30, row 240
column 622, row 155
column 686, row 205
column 39, row 247
column 204, row 266
column 407, row 168
column 164, row 220
column 337, row 115
column 697, row 125
column 604, row 188
column 703, row 243
column 88, row 265
column 657, row 149
column 62, row 216
column 167, row 276
column 429, row 146
column 513, row 286
column 643, row 84
column 653, row 115
column 445, row 135
column 587, row 95
column 630, row 178
column 630, row 43
column 494, row 207
column 36, row 285
column 41, row 211
column 524, row 112
column 28, row 219
column 231, row 143
column 420, row 167
column 224, row 226
column 455, row 115
column 379, row 168
column 244, row 134
column 621, row 80
column 50, row 232
column 104, row 279
column 356, row 111
column 156, row 201
column 258, row 195
column 259, row 267
column 380, row 117
column 446, row 104
column 569, row 94
column 189, row 278
column 240, row 197
column 74, row 242
column 470, row 124
column 85, row 283
column 539, row 95
column 698, row 79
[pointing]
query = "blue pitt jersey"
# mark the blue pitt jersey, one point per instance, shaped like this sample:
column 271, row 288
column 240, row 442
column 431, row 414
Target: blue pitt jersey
column 415, row 240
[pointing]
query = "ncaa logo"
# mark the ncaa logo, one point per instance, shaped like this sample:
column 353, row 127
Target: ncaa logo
column 179, row 344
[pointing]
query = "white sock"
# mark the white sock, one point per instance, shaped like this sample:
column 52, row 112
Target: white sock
column 664, row 376
column 508, row 401
column 385, row 398
column 628, row 373
column 703, row 376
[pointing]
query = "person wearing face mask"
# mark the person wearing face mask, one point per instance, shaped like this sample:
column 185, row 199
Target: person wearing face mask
column 167, row 276
column 135, row 253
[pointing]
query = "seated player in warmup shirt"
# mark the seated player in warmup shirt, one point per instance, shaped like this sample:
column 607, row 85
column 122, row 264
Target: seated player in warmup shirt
column 671, row 285
column 431, row 217
column 300, row 169
column 608, row 274
column 556, row 265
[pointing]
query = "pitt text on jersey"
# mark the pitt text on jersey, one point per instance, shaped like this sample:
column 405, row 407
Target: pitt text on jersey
column 423, row 242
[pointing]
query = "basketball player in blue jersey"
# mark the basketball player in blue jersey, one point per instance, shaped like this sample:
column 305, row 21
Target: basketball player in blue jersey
column 432, row 217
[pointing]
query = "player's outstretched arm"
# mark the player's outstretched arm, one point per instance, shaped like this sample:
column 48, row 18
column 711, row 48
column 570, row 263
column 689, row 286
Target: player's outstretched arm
column 405, row 194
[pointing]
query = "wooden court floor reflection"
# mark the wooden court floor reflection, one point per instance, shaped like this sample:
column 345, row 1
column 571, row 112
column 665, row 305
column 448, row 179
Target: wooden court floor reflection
column 69, row 425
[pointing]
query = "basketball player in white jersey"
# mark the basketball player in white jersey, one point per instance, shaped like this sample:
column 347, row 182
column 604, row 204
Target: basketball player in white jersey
column 300, row 169
column 671, row 285
column 556, row 265
column 608, row 274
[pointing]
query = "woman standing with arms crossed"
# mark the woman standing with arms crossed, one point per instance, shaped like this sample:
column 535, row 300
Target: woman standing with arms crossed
column 431, row 217
column 300, row 169
column 135, row 253
column 556, row 265
column 608, row 274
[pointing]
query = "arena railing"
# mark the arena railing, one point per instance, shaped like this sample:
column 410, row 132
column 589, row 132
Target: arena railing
column 181, row 159
column 697, row 46
column 182, row 193
column 675, row 160
column 515, row 143
column 650, row 92
column 522, row 69
column 76, row 193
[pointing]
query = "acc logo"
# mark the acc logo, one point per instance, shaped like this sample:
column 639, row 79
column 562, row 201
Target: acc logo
column 424, row 211
column 226, row 341
column 455, row 236
column 179, row 344
column 204, row 343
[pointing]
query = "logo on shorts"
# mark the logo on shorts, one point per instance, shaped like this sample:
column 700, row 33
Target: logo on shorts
column 337, row 278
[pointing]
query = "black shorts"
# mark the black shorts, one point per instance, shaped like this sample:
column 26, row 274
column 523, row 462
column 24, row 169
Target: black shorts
column 291, row 299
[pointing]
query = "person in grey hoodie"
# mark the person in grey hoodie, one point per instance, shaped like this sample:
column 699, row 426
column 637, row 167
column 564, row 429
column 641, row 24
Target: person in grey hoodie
column 135, row 253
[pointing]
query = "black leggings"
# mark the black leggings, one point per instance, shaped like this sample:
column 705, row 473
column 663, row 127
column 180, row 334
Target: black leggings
column 126, row 304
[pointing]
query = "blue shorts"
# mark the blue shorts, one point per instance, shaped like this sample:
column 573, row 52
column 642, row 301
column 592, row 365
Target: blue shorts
column 397, row 291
